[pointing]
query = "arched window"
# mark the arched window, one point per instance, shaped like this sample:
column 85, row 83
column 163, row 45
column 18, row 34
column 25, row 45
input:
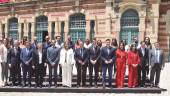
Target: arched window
column 92, row 30
column 13, row 28
column 77, row 26
column 129, row 25
column 41, row 28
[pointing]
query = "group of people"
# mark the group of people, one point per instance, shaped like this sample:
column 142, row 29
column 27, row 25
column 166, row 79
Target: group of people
column 28, row 59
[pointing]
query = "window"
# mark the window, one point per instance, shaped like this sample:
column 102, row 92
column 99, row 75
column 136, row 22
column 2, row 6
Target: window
column 29, row 31
column 62, row 31
column 13, row 28
column 92, row 30
column 77, row 27
column 129, row 25
column 41, row 28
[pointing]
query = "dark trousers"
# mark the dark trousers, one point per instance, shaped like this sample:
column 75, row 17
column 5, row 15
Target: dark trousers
column 81, row 73
column 108, row 67
column 155, row 73
column 142, row 75
column 39, row 74
column 96, row 70
column 15, row 72
column 27, row 70
column 52, row 74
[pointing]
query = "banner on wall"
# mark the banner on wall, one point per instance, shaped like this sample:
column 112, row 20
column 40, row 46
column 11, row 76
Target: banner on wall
column 4, row 1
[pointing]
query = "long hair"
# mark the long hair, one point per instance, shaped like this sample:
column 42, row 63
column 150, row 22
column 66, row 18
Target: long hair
column 123, row 45
column 131, row 47
column 114, row 42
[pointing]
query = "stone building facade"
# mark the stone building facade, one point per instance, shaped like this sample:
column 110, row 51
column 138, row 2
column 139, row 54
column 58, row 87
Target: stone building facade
column 121, row 19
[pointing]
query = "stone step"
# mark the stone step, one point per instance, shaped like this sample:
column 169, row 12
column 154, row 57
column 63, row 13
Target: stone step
column 84, row 90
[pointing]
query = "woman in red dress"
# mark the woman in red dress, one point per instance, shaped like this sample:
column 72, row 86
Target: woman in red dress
column 133, row 62
column 121, row 57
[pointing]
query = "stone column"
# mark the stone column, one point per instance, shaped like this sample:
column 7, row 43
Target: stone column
column 25, row 29
column 0, row 30
column 32, row 30
column 66, row 29
column 19, row 30
column 96, row 26
column 87, row 29
column 6, row 30
column 49, row 29
column 108, row 24
column 141, row 29
column 57, row 29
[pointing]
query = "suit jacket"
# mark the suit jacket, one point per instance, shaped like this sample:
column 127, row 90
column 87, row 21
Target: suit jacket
column 36, row 58
column 53, row 55
column 14, row 58
column 26, row 57
column 152, row 58
column 45, row 46
column 144, row 59
column 111, row 55
column 67, row 57
column 78, row 56
column 94, row 52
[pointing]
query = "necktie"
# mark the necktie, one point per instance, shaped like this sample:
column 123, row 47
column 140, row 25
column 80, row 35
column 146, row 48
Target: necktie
column 108, row 51
column 94, row 49
column 27, row 51
column 82, row 52
column 157, row 56
column 15, row 51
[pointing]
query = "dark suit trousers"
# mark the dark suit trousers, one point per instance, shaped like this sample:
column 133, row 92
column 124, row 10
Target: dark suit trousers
column 52, row 73
column 27, row 69
column 81, row 73
column 108, row 67
column 96, row 70
column 15, row 72
column 142, row 75
column 155, row 73
column 39, row 74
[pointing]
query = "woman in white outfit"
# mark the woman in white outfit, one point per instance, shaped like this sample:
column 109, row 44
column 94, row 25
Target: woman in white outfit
column 4, row 65
column 1, row 62
column 67, row 61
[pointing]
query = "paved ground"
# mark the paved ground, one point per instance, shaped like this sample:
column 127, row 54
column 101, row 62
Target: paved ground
column 164, row 83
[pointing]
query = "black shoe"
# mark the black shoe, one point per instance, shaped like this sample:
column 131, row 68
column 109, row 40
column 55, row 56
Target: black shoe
column 35, row 86
column 24, row 84
column 29, row 85
column 157, row 86
column 84, row 85
column 95, row 85
column 40, row 86
column 55, row 85
column 49, row 86
column 78, row 86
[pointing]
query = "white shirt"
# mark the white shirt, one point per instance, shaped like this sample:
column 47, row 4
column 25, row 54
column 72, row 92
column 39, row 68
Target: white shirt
column 87, row 46
column 40, row 57
column 157, row 54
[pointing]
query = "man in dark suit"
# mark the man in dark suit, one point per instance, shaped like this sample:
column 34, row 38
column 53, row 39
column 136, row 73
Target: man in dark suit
column 53, row 55
column 156, row 61
column 70, row 42
column 45, row 46
column 14, row 63
column 142, row 68
column 26, row 58
column 108, row 56
column 81, row 58
column 94, row 54
column 38, row 63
